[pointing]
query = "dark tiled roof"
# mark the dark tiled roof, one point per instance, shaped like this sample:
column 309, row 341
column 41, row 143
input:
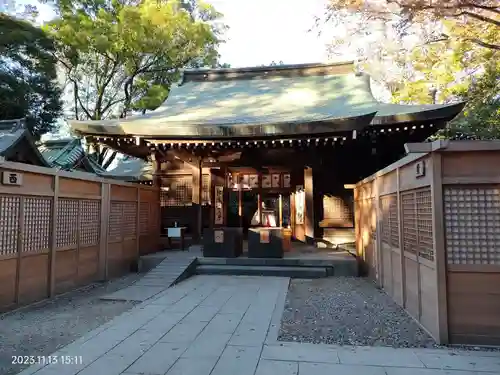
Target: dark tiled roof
column 13, row 134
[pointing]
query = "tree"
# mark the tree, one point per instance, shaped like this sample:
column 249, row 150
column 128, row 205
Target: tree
column 429, row 52
column 123, row 56
column 120, row 57
column 481, row 116
column 465, row 13
column 28, row 87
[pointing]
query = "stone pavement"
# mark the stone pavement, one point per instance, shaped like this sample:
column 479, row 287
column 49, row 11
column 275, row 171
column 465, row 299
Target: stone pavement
column 227, row 325
column 172, row 269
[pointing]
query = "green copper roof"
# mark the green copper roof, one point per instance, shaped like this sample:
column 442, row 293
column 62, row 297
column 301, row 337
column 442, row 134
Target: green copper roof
column 68, row 154
column 268, row 101
column 14, row 137
column 131, row 169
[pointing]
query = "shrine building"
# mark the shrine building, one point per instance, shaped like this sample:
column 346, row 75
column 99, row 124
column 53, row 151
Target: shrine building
column 268, row 146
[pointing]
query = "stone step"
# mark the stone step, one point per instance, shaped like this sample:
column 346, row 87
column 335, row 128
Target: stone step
column 283, row 271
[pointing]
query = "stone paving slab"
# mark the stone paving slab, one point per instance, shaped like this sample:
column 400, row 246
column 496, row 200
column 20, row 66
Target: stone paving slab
column 268, row 367
column 188, row 366
column 134, row 293
column 240, row 360
column 157, row 280
column 226, row 325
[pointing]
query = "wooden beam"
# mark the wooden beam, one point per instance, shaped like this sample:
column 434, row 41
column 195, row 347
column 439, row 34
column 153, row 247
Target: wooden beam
column 183, row 155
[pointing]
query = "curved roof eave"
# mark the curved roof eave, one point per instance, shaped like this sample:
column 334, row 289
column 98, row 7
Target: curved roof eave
column 444, row 112
column 184, row 130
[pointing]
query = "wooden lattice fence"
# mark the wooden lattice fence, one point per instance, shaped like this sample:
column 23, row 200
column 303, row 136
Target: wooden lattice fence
column 435, row 244
column 60, row 230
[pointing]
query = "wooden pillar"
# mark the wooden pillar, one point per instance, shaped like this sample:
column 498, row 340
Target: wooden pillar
column 240, row 205
column 439, row 246
column 197, row 200
column 259, row 208
column 280, row 203
column 53, row 239
column 138, row 222
column 103, row 246
column 19, row 248
column 309, row 205
column 157, row 163
column 156, row 170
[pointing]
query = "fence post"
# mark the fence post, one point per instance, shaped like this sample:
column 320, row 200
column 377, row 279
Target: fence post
column 103, row 248
column 439, row 245
column 53, row 239
column 20, row 240
column 401, row 240
column 137, row 224
column 378, row 231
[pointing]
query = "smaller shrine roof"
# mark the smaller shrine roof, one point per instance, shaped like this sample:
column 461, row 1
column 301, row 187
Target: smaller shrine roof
column 14, row 138
column 68, row 154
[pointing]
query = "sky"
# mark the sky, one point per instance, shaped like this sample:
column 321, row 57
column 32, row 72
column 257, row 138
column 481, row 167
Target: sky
column 262, row 31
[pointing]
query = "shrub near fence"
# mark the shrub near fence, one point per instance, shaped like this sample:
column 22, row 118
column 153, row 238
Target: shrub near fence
column 60, row 230
column 428, row 230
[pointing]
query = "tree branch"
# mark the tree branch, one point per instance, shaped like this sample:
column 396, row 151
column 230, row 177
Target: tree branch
column 445, row 38
column 479, row 17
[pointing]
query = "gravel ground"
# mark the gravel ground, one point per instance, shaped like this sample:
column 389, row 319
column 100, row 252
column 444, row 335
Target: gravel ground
column 43, row 328
column 347, row 311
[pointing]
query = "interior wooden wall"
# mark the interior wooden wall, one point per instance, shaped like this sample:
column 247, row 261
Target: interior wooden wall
column 60, row 230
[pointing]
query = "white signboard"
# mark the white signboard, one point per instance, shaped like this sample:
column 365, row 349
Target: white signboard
column 286, row 180
column 12, row 178
column 219, row 236
column 275, row 180
column 264, row 236
column 266, row 181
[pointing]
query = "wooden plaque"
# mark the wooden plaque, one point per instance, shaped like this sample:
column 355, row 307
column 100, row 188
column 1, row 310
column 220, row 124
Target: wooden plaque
column 266, row 181
column 286, row 180
column 253, row 180
column 420, row 169
column 264, row 236
column 12, row 178
column 218, row 236
column 219, row 205
column 275, row 180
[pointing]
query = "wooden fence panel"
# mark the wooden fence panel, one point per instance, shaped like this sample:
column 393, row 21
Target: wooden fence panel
column 472, row 221
column 60, row 230
column 402, row 259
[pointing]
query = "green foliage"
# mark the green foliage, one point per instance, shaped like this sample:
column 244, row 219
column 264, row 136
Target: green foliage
column 120, row 56
column 481, row 116
column 459, row 69
column 454, row 58
column 28, row 87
